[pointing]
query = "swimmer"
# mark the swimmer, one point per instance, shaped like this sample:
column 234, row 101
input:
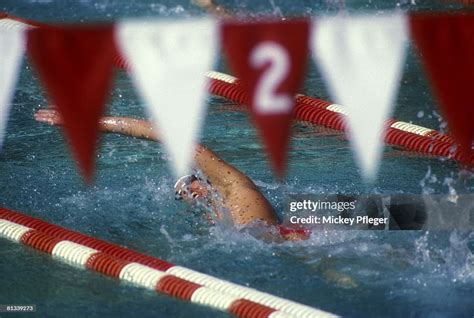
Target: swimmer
column 240, row 196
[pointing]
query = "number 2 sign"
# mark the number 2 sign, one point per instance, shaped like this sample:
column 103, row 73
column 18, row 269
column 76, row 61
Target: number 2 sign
column 266, row 98
column 269, row 57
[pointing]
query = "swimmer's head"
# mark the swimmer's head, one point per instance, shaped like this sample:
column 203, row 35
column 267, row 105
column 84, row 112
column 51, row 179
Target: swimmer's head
column 189, row 188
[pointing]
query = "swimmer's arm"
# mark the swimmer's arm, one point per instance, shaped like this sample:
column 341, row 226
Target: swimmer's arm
column 219, row 172
column 121, row 125
column 246, row 202
column 129, row 126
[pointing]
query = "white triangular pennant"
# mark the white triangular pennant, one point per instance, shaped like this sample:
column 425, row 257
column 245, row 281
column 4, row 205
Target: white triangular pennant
column 361, row 59
column 168, row 65
column 12, row 48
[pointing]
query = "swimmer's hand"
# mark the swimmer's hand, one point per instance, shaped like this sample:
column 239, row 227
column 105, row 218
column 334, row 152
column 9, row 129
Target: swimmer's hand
column 48, row 115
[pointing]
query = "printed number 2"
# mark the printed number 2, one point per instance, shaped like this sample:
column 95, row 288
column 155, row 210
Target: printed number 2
column 267, row 101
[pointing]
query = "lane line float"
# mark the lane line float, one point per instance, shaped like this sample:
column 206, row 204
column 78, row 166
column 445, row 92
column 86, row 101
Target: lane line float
column 320, row 112
column 85, row 252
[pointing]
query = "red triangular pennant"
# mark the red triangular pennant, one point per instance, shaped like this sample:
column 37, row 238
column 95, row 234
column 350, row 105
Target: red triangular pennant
column 75, row 65
column 269, row 57
column 446, row 44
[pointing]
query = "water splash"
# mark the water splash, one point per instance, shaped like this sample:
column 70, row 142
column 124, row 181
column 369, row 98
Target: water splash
column 454, row 261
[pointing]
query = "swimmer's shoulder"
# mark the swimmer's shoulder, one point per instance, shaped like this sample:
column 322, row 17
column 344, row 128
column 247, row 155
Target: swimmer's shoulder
column 247, row 204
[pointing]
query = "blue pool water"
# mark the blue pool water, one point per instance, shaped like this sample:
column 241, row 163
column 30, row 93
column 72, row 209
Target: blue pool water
column 410, row 273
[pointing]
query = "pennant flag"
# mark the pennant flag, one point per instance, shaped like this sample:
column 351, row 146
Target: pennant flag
column 168, row 62
column 269, row 58
column 12, row 47
column 361, row 59
column 446, row 44
column 75, row 65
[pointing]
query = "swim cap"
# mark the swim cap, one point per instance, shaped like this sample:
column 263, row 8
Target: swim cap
column 181, row 184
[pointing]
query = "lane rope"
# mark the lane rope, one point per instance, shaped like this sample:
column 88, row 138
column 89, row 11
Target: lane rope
column 323, row 113
column 85, row 252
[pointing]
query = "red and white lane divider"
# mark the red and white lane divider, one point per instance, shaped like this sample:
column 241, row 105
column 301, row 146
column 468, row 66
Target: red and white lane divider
column 148, row 272
column 319, row 112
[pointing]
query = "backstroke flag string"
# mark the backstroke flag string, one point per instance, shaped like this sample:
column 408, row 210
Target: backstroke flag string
column 361, row 59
